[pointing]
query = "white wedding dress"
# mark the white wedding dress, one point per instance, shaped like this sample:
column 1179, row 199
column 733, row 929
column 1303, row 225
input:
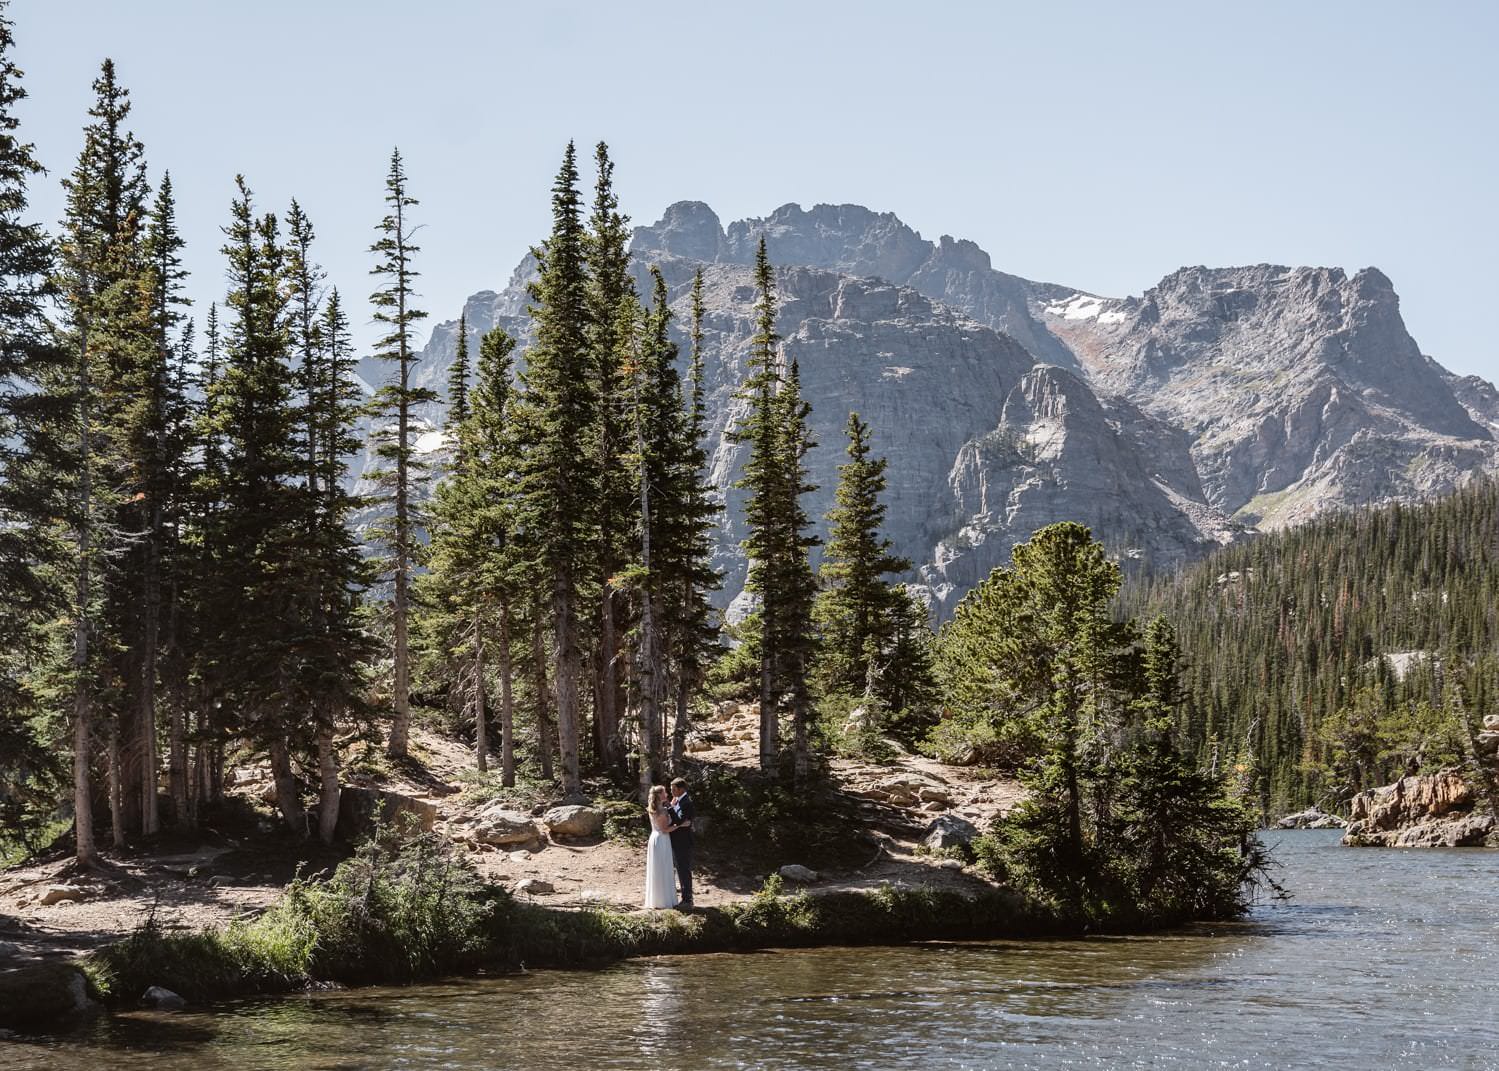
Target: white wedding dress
column 660, row 876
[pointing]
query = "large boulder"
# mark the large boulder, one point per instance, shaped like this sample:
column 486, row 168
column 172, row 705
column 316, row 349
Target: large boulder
column 360, row 810
column 56, row 894
column 574, row 820
column 498, row 825
column 949, row 831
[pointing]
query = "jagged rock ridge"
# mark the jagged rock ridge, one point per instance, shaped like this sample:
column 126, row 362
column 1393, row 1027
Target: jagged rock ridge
column 1005, row 404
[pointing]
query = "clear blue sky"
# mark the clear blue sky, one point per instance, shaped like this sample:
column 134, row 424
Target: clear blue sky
column 1099, row 145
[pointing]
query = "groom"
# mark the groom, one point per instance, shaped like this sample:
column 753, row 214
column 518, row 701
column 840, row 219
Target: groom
column 681, row 839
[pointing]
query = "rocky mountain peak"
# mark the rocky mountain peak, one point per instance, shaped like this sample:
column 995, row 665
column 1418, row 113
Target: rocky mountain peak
column 688, row 229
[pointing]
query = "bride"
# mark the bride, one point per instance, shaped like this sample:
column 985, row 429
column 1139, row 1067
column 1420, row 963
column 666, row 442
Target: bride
column 660, row 881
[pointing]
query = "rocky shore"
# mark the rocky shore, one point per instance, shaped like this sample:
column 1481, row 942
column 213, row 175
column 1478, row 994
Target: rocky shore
column 1439, row 810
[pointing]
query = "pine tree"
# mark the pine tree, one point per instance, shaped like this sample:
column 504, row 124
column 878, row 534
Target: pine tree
column 558, row 479
column 164, row 463
column 335, row 573
column 107, row 330
column 466, row 593
column 760, row 430
column 609, row 284
column 257, row 599
column 34, row 393
column 856, row 609
column 403, row 468
column 779, row 537
column 794, row 582
column 692, row 626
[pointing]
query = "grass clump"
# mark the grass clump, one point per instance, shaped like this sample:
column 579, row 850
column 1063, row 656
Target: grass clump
column 394, row 912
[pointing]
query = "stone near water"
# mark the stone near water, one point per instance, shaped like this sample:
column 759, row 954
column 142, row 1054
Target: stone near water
column 57, row 894
column 798, row 873
column 574, row 821
column 1313, row 817
column 949, row 831
column 1433, row 811
column 162, row 999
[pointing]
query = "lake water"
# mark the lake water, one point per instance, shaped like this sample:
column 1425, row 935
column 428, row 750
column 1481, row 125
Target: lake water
column 1383, row 959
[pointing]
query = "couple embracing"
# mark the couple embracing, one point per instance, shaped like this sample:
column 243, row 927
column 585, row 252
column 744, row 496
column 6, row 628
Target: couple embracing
column 670, row 846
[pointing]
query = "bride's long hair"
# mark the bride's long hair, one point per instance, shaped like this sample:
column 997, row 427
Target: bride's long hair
column 657, row 799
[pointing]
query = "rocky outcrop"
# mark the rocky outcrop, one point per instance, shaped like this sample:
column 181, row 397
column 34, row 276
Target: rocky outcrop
column 360, row 810
column 1436, row 810
column 1301, row 386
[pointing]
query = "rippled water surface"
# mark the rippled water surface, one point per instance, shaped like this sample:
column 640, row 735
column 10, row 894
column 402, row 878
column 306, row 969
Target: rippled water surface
column 1383, row 959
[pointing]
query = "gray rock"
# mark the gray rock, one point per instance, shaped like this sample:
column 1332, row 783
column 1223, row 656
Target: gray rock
column 1491, row 722
column 360, row 809
column 798, row 873
column 535, row 887
column 949, row 831
column 162, row 999
column 1313, row 817
column 1488, row 742
column 56, row 894
column 499, row 825
column 574, row 820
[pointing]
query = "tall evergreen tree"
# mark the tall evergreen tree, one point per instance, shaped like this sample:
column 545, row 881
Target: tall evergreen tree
column 107, row 329
column 258, row 531
column 760, row 430
column 795, row 584
column 402, row 467
column 34, row 390
column 779, row 539
column 558, row 479
column 857, row 606
column 692, row 626
column 163, row 461
column 609, row 284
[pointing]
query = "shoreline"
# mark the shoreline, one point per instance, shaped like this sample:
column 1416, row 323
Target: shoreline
column 39, row 998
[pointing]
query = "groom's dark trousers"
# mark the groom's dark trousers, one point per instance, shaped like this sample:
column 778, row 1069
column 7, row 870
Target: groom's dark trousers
column 681, row 844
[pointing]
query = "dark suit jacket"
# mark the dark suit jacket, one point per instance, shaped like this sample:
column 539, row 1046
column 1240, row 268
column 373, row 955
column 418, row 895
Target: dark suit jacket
column 682, row 811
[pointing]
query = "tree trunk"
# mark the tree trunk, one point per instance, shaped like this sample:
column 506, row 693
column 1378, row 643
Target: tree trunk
column 565, row 632
column 481, row 730
column 146, row 712
column 539, row 662
column 606, row 685
column 83, row 805
column 116, row 790
column 769, row 727
column 680, row 722
column 287, row 800
column 649, row 652
column 84, row 849
column 177, row 765
column 327, row 761
column 507, row 707
column 801, row 747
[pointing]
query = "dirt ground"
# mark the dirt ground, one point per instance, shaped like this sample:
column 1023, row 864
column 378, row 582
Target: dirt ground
column 234, row 872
